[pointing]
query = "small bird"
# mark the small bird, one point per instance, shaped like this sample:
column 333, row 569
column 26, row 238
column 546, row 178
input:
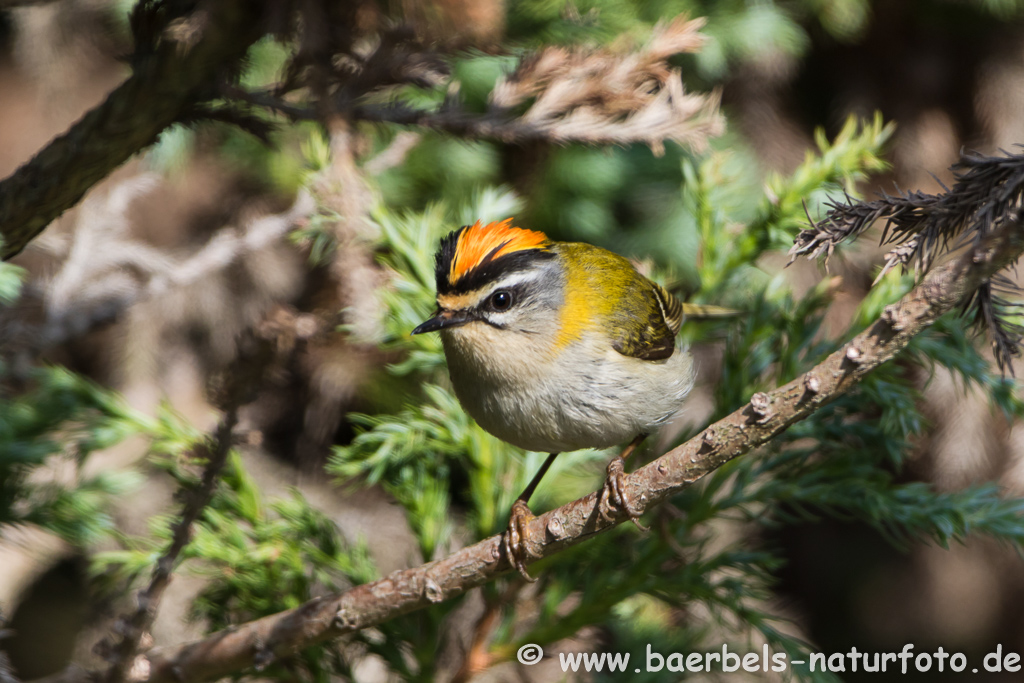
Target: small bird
column 556, row 346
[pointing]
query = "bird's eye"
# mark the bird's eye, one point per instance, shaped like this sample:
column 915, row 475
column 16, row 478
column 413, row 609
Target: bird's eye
column 501, row 300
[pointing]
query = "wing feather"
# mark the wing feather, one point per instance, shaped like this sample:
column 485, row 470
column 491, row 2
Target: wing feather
column 671, row 308
column 651, row 336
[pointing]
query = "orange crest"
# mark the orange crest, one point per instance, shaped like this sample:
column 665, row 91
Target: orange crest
column 479, row 244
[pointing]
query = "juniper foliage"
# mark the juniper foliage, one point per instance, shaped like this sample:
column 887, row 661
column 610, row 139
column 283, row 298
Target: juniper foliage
column 51, row 421
column 46, row 437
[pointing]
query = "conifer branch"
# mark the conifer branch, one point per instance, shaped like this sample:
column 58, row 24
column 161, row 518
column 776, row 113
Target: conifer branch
column 766, row 415
column 989, row 191
column 181, row 50
column 556, row 95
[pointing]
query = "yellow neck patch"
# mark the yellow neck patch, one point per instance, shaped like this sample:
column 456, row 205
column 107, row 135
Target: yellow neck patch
column 479, row 244
column 596, row 282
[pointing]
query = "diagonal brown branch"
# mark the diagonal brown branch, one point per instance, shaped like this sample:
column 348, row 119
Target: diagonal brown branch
column 767, row 414
column 163, row 85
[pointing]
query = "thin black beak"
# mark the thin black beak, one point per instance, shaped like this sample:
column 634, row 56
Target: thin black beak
column 445, row 319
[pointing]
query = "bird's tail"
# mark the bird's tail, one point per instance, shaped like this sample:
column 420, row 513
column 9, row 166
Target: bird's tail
column 701, row 312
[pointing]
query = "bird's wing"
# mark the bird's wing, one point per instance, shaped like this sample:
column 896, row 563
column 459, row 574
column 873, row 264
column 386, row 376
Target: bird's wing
column 650, row 337
column 671, row 308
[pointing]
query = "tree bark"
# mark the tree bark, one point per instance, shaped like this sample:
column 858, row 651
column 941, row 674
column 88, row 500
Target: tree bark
column 190, row 54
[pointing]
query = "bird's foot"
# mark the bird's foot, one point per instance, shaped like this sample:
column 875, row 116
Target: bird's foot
column 517, row 535
column 613, row 495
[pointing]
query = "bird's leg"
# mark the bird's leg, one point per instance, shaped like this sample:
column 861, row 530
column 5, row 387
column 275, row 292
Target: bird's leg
column 516, row 537
column 613, row 494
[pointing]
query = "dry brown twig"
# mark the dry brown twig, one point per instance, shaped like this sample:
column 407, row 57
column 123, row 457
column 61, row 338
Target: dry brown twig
column 601, row 97
column 589, row 96
column 236, row 386
column 767, row 414
column 592, row 96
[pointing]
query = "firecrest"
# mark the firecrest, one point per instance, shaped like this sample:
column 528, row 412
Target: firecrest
column 556, row 346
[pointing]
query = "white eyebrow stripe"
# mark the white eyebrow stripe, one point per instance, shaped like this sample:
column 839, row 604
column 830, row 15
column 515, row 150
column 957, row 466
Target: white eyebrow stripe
column 520, row 277
column 478, row 296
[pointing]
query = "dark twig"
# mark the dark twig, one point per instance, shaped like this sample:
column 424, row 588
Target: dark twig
column 231, row 389
column 268, row 100
column 502, row 125
column 122, row 656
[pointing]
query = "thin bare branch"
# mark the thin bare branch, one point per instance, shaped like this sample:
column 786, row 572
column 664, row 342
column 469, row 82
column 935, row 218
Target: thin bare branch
column 234, row 650
column 124, row 664
column 231, row 389
column 106, row 271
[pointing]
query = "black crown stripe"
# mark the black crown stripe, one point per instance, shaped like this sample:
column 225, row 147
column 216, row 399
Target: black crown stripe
column 487, row 270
